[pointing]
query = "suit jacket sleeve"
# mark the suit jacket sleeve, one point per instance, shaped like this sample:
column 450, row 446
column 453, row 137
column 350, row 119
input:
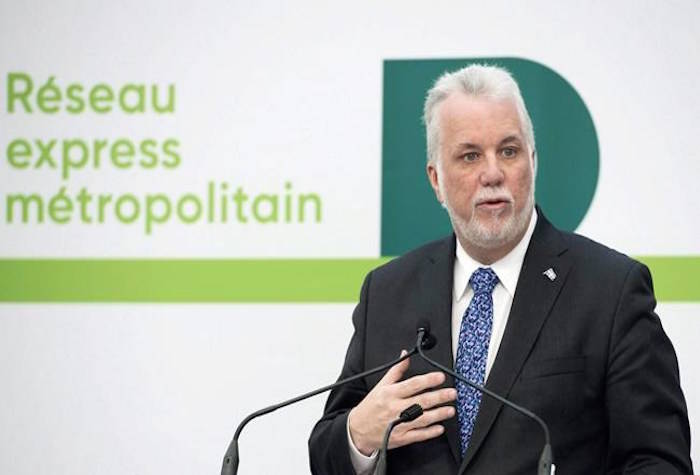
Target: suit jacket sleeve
column 648, row 422
column 328, row 445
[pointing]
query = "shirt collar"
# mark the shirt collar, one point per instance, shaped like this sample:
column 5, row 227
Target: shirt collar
column 507, row 268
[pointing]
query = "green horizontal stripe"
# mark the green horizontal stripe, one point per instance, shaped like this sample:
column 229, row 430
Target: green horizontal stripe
column 676, row 278
column 243, row 280
column 183, row 280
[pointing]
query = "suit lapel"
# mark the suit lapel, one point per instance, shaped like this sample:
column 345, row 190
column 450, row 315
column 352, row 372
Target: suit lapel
column 436, row 290
column 535, row 294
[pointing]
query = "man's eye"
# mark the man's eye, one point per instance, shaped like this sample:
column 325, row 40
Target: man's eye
column 471, row 156
column 509, row 152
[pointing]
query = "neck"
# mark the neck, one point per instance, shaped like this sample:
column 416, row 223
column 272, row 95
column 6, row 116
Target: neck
column 489, row 255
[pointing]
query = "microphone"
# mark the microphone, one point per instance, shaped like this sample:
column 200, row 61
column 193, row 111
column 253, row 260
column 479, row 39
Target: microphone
column 231, row 458
column 425, row 338
column 409, row 414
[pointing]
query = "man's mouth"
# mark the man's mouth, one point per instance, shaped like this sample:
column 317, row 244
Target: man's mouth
column 493, row 204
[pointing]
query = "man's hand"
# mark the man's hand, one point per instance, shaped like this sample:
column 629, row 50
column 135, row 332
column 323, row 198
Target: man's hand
column 369, row 419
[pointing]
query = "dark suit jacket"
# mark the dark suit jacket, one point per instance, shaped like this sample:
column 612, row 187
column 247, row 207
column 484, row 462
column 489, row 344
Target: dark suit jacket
column 586, row 352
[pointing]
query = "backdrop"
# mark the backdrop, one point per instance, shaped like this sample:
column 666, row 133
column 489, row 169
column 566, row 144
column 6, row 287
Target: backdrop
column 191, row 193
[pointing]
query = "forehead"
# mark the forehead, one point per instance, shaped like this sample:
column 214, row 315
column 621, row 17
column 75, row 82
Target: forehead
column 478, row 119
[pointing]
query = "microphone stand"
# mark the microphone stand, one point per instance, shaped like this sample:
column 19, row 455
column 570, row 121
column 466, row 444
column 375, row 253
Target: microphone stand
column 409, row 414
column 545, row 465
column 231, row 459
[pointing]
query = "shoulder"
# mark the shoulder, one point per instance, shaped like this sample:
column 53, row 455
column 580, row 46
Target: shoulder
column 596, row 253
column 411, row 267
column 600, row 262
column 595, row 264
column 416, row 259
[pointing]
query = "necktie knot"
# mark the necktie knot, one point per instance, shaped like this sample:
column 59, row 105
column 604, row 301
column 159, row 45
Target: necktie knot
column 484, row 279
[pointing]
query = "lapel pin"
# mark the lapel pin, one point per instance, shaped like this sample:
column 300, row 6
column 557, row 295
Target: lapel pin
column 551, row 275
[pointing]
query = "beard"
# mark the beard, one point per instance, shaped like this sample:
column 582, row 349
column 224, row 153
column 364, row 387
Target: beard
column 496, row 229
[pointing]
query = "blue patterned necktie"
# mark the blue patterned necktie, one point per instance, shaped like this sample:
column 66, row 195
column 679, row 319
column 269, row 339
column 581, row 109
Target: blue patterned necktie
column 473, row 349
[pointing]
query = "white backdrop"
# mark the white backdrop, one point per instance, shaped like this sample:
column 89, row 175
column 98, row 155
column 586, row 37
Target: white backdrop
column 273, row 92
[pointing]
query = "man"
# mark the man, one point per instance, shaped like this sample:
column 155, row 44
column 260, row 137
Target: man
column 555, row 322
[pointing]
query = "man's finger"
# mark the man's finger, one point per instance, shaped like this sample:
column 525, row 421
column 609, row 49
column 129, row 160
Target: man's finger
column 438, row 397
column 395, row 372
column 428, row 418
column 417, row 384
column 416, row 435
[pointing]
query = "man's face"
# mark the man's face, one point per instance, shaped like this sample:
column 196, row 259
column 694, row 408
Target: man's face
column 484, row 173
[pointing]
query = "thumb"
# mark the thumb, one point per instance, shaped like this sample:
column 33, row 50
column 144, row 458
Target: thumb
column 395, row 372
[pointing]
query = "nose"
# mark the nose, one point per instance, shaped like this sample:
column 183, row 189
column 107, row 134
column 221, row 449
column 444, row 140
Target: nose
column 492, row 174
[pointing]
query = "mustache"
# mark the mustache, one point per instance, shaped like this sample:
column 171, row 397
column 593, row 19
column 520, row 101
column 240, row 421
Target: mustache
column 492, row 194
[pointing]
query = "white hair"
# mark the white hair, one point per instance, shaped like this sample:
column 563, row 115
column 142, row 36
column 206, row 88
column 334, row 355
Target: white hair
column 475, row 80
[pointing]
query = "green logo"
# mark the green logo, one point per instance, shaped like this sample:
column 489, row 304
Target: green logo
column 567, row 149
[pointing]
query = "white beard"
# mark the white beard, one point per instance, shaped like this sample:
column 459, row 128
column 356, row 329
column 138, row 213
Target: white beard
column 484, row 236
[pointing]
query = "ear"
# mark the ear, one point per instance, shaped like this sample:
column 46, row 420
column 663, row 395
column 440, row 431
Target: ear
column 432, row 171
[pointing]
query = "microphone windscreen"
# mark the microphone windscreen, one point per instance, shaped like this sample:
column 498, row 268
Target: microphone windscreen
column 411, row 413
column 429, row 341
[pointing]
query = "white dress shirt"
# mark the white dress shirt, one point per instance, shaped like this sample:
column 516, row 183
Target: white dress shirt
column 508, row 270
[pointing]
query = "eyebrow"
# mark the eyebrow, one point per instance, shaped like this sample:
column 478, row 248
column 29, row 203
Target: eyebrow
column 469, row 145
column 510, row 138
column 466, row 145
